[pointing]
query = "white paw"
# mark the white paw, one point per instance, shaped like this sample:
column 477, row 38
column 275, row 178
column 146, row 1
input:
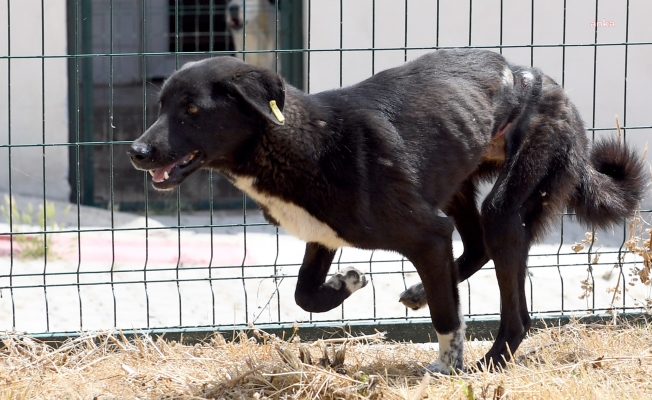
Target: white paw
column 439, row 367
column 451, row 351
column 350, row 277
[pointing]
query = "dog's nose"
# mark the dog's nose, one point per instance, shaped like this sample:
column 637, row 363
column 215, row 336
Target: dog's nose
column 139, row 151
column 234, row 10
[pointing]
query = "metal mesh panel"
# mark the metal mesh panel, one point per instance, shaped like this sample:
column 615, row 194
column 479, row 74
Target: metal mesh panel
column 85, row 243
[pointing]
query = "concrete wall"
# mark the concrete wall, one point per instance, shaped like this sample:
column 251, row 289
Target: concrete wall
column 127, row 38
column 33, row 82
column 576, row 72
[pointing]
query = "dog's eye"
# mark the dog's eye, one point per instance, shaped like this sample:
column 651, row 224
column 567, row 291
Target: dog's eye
column 192, row 109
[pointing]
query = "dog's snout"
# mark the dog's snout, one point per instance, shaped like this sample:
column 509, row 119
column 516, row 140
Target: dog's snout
column 139, row 151
column 234, row 18
column 234, row 11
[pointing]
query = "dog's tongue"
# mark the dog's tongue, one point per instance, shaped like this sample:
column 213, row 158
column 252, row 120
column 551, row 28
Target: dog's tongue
column 159, row 174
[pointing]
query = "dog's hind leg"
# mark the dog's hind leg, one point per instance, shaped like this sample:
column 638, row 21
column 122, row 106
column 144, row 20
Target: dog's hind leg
column 508, row 243
column 316, row 294
column 541, row 170
column 532, row 188
column 465, row 212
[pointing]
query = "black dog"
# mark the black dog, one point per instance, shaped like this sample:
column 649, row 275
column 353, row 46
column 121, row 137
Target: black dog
column 371, row 165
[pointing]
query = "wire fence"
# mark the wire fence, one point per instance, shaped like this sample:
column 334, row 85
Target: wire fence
column 85, row 243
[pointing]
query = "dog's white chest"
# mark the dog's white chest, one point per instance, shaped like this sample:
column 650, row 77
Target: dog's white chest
column 292, row 218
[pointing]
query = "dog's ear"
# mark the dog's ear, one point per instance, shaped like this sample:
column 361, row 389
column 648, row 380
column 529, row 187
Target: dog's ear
column 263, row 90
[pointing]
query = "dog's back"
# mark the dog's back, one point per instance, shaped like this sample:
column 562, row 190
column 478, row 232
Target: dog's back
column 432, row 119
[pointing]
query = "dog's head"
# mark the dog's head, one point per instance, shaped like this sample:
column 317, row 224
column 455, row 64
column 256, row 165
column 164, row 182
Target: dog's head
column 209, row 111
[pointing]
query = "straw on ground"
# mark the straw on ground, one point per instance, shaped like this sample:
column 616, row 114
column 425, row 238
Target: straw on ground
column 573, row 361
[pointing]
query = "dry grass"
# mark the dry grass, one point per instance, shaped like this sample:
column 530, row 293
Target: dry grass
column 573, row 361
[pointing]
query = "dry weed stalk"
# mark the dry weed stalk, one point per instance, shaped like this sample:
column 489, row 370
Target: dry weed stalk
column 639, row 243
column 587, row 284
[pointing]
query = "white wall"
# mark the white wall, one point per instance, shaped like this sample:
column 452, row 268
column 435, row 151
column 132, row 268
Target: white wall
column 358, row 32
column 28, row 86
column 33, row 81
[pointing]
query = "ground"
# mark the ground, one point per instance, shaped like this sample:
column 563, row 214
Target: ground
column 573, row 361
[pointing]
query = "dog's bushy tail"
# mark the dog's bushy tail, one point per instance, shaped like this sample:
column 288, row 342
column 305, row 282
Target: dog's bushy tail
column 612, row 186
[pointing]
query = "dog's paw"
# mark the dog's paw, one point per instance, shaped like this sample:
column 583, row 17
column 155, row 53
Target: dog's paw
column 448, row 363
column 451, row 351
column 349, row 277
column 414, row 297
column 440, row 367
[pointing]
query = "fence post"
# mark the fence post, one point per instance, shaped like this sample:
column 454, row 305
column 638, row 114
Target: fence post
column 88, row 181
column 292, row 38
column 73, row 99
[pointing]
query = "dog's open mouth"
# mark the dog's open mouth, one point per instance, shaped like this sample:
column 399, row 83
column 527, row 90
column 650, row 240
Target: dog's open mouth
column 172, row 175
column 236, row 23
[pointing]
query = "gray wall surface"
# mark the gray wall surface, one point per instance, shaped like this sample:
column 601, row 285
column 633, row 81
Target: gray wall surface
column 34, row 82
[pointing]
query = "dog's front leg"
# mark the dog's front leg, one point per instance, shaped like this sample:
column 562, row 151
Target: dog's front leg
column 314, row 293
column 432, row 256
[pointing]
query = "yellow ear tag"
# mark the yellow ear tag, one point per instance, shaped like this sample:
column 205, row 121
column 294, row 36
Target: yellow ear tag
column 277, row 113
